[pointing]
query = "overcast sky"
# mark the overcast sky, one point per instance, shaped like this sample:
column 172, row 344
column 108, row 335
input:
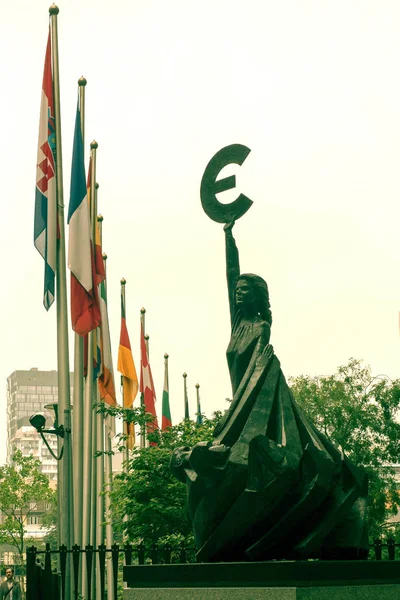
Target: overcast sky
column 311, row 87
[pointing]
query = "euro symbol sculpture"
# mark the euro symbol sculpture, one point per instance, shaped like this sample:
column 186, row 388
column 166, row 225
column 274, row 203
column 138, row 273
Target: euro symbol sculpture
column 223, row 213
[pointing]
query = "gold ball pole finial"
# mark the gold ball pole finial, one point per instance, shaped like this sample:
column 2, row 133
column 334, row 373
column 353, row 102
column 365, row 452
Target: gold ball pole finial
column 166, row 356
column 100, row 218
column 123, row 281
column 197, row 386
column 94, row 145
column 82, row 81
column 184, row 375
column 142, row 311
column 54, row 10
column 104, row 256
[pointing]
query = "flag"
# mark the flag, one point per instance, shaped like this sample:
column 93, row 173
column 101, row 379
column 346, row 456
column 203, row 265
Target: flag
column 45, row 223
column 147, row 385
column 126, row 367
column 166, row 412
column 85, row 309
column 106, row 379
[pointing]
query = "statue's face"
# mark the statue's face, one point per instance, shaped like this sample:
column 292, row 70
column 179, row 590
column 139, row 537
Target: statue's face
column 244, row 293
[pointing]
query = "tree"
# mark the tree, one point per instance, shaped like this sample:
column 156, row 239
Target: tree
column 358, row 413
column 22, row 488
column 149, row 493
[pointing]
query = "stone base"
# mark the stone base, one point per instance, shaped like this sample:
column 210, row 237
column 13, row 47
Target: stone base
column 353, row 592
column 271, row 580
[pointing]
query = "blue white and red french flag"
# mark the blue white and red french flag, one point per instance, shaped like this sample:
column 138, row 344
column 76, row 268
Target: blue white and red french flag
column 85, row 307
column 45, row 224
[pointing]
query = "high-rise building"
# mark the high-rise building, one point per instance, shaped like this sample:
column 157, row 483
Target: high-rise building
column 30, row 392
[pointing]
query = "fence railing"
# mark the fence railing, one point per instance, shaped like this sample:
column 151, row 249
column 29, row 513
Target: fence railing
column 389, row 550
column 46, row 583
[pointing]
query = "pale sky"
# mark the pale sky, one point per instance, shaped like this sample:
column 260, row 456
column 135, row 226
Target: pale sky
column 312, row 87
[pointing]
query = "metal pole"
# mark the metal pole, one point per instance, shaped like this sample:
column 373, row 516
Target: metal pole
column 185, row 395
column 143, row 427
column 88, row 410
column 99, row 461
column 64, row 400
column 199, row 419
column 108, row 476
column 77, row 414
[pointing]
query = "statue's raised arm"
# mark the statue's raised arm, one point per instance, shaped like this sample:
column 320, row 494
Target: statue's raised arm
column 232, row 266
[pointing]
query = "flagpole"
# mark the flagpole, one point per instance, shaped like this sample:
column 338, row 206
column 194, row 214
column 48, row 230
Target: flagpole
column 64, row 401
column 77, row 413
column 143, row 427
column 96, row 431
column 165, row 411
column 126, row 427
column 185, row 394
column 108, row 476
column 199, row 417
column 100, row 453
column 88, row 410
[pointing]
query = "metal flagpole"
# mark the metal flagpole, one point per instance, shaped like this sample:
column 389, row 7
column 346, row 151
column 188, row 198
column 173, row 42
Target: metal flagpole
column 199, row 419
column 125, row 424
column 108, row 476
column 99, row 460
column 88, row 410
column 95, row 423
column 77, row 413
column 143, row 427
column 185, row 394
column 64, row 401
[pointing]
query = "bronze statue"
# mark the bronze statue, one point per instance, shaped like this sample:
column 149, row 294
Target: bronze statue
column 270, row 485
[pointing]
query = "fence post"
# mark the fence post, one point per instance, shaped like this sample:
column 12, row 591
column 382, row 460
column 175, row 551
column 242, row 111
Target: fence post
column 114, row 556
column 182, row 553
column 391, row 545
column 378, row 549
column 89, row 561
column 141, row 553
column 76, row 554
column 102, row 565
column 30, row 572
column 63, row 565
column 128, row 554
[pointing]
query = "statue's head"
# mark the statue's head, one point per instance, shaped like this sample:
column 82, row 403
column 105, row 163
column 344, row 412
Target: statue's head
column 251, row 295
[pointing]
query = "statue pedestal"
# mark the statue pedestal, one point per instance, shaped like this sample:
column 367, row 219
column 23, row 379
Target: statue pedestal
column 280, row 580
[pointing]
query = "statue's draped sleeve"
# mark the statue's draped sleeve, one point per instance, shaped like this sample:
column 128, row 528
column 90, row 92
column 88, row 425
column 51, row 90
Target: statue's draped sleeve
column 232, row 269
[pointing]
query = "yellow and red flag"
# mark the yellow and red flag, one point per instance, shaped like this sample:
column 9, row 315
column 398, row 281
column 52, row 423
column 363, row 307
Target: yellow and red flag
column 126, row 367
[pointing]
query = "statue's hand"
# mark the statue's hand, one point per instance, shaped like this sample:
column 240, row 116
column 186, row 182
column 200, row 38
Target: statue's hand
column 228, row 226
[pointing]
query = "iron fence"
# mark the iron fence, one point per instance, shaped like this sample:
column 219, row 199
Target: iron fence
column 46, row 583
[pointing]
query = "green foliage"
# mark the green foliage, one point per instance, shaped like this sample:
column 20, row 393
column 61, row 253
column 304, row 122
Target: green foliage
column 22, row 488
column 153, row 499
column 358, row 413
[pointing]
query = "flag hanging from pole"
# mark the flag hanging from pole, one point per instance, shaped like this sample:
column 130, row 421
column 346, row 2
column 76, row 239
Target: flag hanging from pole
column 45, row 223
column 85, row 309
column 166, row 411
column 106, row 379
column 147, row 385
column 126, row 367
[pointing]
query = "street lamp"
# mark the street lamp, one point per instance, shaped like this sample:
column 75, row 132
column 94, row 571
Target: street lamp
column 38, row 421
